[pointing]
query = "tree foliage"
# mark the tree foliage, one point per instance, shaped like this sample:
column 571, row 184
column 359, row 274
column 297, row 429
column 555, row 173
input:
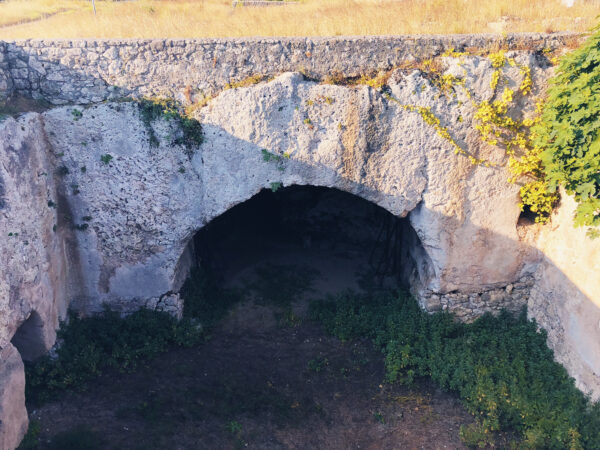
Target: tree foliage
column 568, row 132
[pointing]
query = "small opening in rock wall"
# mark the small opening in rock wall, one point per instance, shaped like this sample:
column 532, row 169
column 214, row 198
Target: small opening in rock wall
column 527, row 217
column 29, row 338
column 330, row 239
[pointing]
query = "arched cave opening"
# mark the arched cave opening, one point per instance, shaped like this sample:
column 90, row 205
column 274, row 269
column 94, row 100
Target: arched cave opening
column 29, row 338
column 326, row 238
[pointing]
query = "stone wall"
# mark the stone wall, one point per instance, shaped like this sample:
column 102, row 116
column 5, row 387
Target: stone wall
column 6, row 86
column 467, row 307
column 90, row 71
column 565, row 299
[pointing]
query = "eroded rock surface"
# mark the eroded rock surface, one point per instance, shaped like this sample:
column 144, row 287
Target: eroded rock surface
column 136, row 212
column 33, row 266
column 565, row 299
column 13, row 415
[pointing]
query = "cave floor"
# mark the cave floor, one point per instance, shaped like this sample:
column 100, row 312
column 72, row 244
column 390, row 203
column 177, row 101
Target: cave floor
column 261, row 381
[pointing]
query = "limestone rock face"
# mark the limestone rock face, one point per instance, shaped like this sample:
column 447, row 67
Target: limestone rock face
column 136, row 213
column 32, row 264
column 565, row 299
column 13, row 415
column 32, row 278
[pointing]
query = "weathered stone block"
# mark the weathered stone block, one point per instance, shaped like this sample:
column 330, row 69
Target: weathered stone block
column 13, row 415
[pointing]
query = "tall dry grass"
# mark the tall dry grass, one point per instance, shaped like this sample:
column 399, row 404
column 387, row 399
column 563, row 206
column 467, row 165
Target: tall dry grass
column 18, row 11
column 215, row 18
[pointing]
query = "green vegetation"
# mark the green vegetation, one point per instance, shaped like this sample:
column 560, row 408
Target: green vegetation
column 281, row 284
column 205, row 300
column 77, row 114
column 189, row 133
column 568, row 133
column 31, row 440
column 106, row 159
column 278, row 160
column 93, row 345
column 499, row 366
column 80, row 437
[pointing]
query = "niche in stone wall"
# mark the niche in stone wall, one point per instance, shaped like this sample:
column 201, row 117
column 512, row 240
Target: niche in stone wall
column 29, row 338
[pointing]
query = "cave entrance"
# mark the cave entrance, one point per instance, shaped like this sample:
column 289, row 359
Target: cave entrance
column 306, row 241
column 29, row 338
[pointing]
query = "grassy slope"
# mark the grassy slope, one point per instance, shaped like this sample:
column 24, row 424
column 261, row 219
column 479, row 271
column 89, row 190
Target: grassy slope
column 214, row 18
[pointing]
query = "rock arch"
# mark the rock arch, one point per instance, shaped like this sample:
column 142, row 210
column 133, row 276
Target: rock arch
column 138, row 210
column 304, row 223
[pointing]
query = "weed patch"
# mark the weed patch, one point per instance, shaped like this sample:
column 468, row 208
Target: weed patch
column 93, row 345
column 499, row 366
column 205, row 300
column 281, row 285
column 188, row 131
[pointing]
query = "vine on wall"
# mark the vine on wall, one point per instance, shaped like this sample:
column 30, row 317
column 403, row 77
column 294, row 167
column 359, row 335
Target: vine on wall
column 497, row 126
column 559, row 146
column 567, row 135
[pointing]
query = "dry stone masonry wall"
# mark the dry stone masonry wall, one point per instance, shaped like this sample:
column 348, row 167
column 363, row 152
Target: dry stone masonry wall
column 89, row 71
column 98, row 204
column 513, row 297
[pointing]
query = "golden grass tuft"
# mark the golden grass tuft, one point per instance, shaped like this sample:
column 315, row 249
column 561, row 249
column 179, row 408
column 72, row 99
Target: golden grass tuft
column 217, row 18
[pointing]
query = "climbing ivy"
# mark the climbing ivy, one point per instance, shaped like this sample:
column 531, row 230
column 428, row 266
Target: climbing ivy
column 497, row 127
column 567, row 136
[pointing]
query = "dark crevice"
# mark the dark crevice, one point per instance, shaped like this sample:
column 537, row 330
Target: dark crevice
column 29, row 338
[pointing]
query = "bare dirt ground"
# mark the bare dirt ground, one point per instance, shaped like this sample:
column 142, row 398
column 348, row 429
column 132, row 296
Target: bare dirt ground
column 279, row 386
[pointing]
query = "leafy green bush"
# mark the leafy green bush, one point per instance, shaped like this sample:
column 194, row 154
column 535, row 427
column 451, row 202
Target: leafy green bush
column 190, row 136
column 569, row 131
column 79, row 438
column 92, row 345
column 31, row 441
column 500, row 366
column 474, row 435
column 205, row 300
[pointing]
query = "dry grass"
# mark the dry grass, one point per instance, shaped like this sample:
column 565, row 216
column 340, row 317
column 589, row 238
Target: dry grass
column 19, row 11
column 215, row 18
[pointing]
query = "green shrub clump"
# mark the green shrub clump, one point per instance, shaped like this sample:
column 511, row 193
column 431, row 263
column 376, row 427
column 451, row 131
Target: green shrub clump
column 92, row 345
column 205, row 300
column 569, row 132
column 500, row 367
column 190, row 133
